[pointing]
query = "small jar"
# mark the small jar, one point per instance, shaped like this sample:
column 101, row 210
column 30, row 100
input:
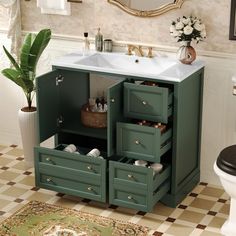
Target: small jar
column 94, row 153
column 107, row 45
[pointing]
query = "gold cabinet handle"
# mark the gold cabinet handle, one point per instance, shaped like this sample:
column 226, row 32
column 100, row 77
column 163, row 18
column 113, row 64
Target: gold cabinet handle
column 89, row 167
column 137, row 142
column 130, row 176
column 49, row 180
column 48, row 159
column 90, row 189
column 144, row 103
column 113, row 100
column 130, row 197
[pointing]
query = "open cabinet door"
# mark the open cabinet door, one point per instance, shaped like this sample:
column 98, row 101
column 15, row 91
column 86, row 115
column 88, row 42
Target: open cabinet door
column 47, row 91
column 114, row 114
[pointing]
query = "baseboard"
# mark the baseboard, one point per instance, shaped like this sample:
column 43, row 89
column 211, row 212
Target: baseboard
column 210, row 178
column 172, row 200
column 10, row 138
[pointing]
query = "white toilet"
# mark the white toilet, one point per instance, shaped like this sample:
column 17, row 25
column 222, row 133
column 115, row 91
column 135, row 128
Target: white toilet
column 225, row 168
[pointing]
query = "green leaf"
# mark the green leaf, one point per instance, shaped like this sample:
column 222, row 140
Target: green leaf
column 11, row 58
column 40, row 43
column 15, row 76
column 25, row 51
column 29, row 85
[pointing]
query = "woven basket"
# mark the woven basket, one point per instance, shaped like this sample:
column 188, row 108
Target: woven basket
column 93, row 119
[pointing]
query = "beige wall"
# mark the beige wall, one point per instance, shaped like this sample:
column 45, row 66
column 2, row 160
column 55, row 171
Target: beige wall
column 121, row 26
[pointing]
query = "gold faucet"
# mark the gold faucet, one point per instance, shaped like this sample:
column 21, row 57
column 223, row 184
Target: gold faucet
column 150, row 54
column 136, row 49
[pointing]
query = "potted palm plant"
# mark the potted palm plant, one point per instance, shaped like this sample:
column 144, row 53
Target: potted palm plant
column 23, row 74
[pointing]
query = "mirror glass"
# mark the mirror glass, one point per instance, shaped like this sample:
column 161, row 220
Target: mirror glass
column 147, row 7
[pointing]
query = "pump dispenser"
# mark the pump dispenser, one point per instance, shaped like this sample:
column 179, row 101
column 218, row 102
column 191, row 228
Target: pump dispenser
column 86, row 46
column 99, row 41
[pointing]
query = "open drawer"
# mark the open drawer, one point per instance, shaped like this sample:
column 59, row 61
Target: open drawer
column 142, row 142
column 70, row 173
column 147, row 102
column 136, row 187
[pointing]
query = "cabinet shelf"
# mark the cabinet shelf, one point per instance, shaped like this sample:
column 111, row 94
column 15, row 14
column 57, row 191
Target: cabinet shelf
column 78, row 128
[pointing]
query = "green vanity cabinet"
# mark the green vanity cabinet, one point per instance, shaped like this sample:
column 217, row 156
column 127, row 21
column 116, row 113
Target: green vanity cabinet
column 115, row 179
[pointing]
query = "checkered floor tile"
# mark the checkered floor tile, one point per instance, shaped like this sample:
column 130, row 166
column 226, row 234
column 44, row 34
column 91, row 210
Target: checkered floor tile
column 202, row 212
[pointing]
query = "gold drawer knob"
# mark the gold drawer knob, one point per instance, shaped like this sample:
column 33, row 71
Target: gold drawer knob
column 130, row 176
column 144, row 103
column 49, row 180
column 137, row 142
column 113, row 100
column 90, row 189
column 89, row 167
column 48, row 159
column 130, row 197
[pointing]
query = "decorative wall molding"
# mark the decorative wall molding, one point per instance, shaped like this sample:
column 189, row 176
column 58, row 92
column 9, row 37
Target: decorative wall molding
column 121, row 45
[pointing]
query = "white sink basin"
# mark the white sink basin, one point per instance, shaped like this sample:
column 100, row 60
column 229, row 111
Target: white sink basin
column 125, row 63
column 160, row 67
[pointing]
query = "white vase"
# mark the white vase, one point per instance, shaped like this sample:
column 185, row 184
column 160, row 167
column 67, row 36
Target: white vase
column 28, row 128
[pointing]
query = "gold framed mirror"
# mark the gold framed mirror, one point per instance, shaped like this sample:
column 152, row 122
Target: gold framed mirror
column 147, row 8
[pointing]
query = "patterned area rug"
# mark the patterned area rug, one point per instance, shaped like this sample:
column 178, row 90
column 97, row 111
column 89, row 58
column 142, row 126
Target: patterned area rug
column 41, row 219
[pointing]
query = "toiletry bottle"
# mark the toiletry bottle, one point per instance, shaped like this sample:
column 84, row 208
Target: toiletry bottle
column 99, row 41
column 103, row 101
column 86, row 47
column 98, row 102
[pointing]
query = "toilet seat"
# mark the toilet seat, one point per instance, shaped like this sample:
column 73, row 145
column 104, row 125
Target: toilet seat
column 226, row 160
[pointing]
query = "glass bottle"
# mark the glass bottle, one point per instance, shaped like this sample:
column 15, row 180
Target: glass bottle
column 86, row 47
column 99, row 41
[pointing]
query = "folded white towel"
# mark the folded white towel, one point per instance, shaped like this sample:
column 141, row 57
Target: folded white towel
column 66, row 12
column 60, row 7
column 52, row 4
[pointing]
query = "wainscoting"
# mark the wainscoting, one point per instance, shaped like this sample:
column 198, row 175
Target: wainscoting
column 219, row 105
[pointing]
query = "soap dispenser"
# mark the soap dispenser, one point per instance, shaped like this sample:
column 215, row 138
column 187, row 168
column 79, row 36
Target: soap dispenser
column 86, row 46
column 99, row 41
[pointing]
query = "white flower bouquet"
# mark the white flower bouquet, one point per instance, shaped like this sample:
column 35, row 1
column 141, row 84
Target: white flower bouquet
column 188, row 29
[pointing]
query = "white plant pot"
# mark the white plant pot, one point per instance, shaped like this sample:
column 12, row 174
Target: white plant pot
column 28, row 128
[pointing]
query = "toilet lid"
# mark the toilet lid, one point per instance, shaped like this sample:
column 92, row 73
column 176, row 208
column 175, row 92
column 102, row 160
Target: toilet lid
column 226, row 160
